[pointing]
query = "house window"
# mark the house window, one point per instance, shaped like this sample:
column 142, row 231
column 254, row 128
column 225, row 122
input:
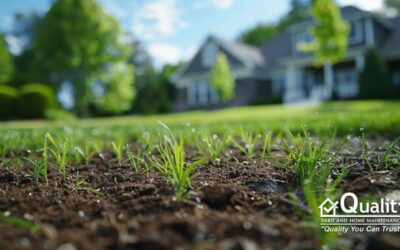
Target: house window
column 396, row 78
column 356, row 32
column 200, row 93
column 346, row 83
column 209, row 55
column 278, row 85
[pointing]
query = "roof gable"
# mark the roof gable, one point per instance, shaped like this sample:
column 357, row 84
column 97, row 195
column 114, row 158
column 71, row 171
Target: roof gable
column 239, row 56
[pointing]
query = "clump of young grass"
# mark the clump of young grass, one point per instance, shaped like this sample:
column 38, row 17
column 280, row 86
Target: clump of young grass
column 391, row 155
column 365, row 152
column 267, row 145
column 172, row 165
column 118, row 149
column 248, row 142
column 38, row 168
column 313, row 164
column 59, row 153
column 210, row 145
column 135, row 160
column 89, row 149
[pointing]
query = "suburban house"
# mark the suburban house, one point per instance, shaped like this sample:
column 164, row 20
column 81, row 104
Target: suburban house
column 279, row 68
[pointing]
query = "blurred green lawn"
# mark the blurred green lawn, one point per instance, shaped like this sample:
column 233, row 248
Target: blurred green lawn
column 344, row 117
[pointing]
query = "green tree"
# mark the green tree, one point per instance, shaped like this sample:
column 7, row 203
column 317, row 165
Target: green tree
column 299, row 10
column 221, row 79
column 119, row 90
column 259, row 34
column 79, row 43
column 330, row 33
column 394, row 4
column 6, row 63
column 27, row 67
column 152, row 98
column 375, row 80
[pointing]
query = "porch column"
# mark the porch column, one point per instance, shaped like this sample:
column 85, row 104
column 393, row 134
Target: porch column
column 328, row 81
column 360, row 62
column 290, row 85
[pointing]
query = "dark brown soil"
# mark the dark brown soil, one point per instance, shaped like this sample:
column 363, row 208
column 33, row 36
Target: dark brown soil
column 238, row 204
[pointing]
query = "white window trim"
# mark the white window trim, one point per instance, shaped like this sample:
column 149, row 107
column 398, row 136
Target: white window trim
column 358, row 33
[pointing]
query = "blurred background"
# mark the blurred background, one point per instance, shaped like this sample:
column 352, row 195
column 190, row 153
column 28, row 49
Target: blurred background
column 61, row 59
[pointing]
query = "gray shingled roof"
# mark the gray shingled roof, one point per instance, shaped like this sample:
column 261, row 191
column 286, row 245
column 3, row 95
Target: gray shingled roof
column 249, row 55
column 277, row 48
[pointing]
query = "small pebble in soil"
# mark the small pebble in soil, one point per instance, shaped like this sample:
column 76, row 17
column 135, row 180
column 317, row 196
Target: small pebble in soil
column 24, row 241
column 81, row 214
column 247, row 225
column 67, row 246
column 28, row 216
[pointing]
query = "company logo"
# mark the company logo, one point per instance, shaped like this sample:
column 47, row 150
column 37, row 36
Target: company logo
column 349, row 213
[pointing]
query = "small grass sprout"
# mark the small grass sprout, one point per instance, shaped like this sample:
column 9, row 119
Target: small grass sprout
column 267, row 145
column 364, row 152
column 118, row 149
column 391, row 155
column 38, row 168
column 89, row 150
column 59, row 153
column 210, row 145
column 135, row 161
column 80, row 185
column 249, row 139
column 172, row 164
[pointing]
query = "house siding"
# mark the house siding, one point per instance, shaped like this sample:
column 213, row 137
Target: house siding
column 246, row 90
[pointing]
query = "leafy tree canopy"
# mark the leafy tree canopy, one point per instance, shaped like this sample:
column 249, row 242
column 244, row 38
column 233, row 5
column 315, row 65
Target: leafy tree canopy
column 6, row 63
column 261, row 33
column 79, row 43
column 330, row 33
column 394, row 4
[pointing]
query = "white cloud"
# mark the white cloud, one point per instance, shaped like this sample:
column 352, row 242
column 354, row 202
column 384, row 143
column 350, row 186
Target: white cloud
column 159, row 17
column 218, row 4
column 364, row 4
column 222, row 4
column 167, row 53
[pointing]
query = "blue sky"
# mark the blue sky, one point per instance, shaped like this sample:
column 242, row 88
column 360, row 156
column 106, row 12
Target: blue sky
column 172, row 30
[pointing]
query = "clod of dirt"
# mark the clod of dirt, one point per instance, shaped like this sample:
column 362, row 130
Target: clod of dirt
column 218, row 196
column 384, row 241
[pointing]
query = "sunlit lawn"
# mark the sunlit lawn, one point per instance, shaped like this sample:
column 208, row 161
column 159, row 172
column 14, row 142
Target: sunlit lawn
column 344, row 117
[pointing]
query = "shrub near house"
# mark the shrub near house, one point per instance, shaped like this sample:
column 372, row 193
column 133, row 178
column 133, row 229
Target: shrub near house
column 375, row 80
column 8, row 101
column 34, row 100
column 31, row 101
